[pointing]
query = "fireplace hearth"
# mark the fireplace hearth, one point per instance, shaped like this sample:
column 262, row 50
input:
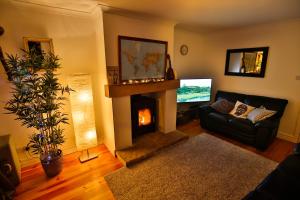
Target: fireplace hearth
column 143, row 115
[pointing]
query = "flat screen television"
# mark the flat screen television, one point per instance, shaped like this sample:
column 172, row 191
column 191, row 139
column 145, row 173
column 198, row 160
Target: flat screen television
column 194, row 90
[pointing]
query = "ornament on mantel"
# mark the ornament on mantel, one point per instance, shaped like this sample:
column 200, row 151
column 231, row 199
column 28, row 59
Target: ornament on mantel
column 170, row 75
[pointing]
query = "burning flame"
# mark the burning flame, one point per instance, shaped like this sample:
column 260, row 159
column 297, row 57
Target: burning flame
column 144, row 117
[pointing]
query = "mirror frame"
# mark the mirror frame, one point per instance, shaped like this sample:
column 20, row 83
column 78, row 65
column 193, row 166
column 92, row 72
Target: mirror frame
column 263, row 64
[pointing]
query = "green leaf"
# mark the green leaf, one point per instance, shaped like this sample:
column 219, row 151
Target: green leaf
column 37, row 98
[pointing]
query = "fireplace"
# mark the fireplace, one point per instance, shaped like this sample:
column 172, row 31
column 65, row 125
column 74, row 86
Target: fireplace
column 143, row 115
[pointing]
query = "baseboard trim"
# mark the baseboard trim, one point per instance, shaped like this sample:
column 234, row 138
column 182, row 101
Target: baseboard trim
column 26, row 161
column 288, row 137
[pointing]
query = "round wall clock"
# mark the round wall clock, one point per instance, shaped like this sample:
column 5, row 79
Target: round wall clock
column 184, row 49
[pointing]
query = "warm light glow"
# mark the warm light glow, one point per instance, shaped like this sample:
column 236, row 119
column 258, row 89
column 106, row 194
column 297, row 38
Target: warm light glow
column 91, row 135
column 83, row 112
column 84, row 96
column 78, row 116
column 144, row 117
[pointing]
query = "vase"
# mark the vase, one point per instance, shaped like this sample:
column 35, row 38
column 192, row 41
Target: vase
column 170, row 75
column 52, row 162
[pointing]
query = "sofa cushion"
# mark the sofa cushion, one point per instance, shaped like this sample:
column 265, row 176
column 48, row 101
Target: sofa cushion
column 256, row 101
column 259, row 114
column 241, row 110
column 277, row 185
column 290, row 166
column 223, row 106
column 282, row 183
column 218, row 117
column 243, row 125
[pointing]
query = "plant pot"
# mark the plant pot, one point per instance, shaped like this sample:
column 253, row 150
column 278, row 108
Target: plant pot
column 52, row 162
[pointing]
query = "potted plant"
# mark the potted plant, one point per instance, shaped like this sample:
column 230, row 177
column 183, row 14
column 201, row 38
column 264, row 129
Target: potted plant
column 37, row 99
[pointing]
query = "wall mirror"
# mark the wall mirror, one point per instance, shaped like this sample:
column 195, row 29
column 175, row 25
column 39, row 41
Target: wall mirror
column 39, row 45
column 246, row 62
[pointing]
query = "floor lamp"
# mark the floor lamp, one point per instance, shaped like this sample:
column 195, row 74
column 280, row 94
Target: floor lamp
column 83, row 115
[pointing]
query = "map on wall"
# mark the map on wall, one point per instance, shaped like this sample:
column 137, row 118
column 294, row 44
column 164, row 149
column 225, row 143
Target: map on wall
column 141, row 58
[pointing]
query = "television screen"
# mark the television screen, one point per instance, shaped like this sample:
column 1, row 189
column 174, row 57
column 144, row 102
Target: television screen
column 194, row 90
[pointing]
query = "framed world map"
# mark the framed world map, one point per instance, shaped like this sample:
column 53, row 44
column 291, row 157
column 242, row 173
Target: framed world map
column 141, row 58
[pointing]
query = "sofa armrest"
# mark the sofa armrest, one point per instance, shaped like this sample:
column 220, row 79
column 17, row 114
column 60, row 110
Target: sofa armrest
column 266, row 132
column 203, row 113
column 271, row 124
column 206, row 109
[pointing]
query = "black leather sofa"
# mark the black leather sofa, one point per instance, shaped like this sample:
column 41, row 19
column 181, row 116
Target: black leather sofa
column 259, row 134
column 281, row 184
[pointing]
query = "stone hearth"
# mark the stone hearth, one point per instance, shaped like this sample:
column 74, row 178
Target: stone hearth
column 147, row 145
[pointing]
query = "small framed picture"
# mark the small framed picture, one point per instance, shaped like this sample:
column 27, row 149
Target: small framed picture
column 39, row 45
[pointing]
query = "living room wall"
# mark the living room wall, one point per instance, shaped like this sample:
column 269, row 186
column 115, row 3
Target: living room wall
column 207, row 54
column 77, row 39
column 134, row 26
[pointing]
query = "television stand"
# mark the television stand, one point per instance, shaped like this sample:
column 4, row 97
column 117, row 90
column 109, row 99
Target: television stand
column 187, row 112
column 185, row 116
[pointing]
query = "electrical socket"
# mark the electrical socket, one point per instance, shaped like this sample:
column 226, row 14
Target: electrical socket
column 298, row 77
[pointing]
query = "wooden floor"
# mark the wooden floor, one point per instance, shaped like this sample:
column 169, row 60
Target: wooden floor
column 86, row 180
column 76, row 181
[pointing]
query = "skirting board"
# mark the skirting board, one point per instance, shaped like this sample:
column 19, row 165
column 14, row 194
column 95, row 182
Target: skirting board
column 26, row 160
column 288, row 137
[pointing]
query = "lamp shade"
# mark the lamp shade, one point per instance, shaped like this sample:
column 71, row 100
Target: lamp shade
column 83, row 111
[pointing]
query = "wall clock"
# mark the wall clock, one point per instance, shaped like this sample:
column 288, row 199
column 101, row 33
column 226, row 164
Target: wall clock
column 184, row 49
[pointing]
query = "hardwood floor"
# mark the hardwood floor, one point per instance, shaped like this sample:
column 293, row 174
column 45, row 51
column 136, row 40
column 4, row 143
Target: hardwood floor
column 76, row 181
column 86, row 180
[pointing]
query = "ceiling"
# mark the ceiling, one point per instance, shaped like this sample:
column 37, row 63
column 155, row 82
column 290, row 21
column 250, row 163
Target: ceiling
column 194, row 13
column 214, row 12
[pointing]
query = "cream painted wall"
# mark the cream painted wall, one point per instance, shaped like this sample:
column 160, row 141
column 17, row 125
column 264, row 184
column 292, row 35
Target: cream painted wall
column 207, row 59
column 78, row 40
column 188, row 66
column 115, row 25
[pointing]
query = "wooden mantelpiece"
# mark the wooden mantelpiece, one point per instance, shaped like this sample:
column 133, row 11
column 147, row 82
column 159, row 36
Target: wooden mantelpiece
column 132, row 89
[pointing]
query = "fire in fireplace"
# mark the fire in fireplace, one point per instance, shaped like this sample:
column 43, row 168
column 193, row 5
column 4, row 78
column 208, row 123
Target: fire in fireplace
column 143, row 115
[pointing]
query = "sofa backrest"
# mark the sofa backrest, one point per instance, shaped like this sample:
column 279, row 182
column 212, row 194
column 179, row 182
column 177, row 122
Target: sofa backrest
column 256, row 101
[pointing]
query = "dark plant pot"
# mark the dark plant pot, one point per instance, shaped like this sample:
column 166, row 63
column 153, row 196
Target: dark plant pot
column 52, row 163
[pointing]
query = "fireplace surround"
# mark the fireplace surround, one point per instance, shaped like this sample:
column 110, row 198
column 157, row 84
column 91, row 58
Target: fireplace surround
column 164, row 93
column 143, row 115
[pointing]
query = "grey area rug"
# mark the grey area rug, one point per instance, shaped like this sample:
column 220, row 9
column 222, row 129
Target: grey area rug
column 202, row 167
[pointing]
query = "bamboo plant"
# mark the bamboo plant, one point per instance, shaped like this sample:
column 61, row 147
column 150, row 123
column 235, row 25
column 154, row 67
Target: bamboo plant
column 37, row 99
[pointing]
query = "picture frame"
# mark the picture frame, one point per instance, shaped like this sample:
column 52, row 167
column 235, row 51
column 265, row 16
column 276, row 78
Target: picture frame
column 112, row 75
column 4, row 64
column 141, row 59
column 247, row 62
column 38, row 44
